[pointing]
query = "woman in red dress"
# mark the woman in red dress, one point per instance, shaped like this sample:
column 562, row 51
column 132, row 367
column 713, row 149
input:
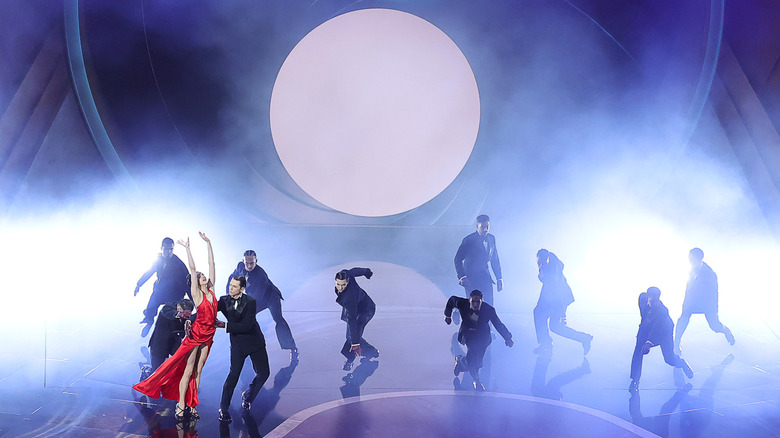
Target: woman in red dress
column 178, row 378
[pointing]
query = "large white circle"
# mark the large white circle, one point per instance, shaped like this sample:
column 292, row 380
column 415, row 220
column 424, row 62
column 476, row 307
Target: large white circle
column 375, row 112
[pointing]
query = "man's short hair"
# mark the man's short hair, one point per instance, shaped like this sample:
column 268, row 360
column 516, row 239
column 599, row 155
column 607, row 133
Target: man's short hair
column 476, row 293
column 241, row 280
column 652, row 290
column 481, row 219
column 342, row 275
column 186, row 304
column 542, row 253
column 167, row 241
column 250, row 252
column 697, row 253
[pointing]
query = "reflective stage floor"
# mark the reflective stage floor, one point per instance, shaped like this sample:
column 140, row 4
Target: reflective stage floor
column 72, row 377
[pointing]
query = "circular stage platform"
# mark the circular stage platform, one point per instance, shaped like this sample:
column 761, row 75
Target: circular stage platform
column 453, row 413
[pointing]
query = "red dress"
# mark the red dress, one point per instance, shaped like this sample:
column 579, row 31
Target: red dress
column 165, row 380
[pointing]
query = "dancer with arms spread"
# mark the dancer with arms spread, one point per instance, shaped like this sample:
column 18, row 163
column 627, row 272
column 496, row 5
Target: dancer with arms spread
column 178, row 378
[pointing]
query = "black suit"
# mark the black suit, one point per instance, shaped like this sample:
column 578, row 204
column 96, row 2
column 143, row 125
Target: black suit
column 656, row 327
column 701, row 296
column 471, row 260
column 167, row 335
column 246, row 339
column 357, row 309
column 171, row 283
column 475, row 331
column 555, row 296
column 268, row 296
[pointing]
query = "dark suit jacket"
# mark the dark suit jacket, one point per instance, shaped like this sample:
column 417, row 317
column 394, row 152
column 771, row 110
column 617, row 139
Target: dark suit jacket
column 171, row 277
column 656, row 323
column 357, row 308
column 245, row 334
column 479, row 328
column 701, row 292
column 168, row 330
column 472, row 258
column 258, row 285
column 555, row 288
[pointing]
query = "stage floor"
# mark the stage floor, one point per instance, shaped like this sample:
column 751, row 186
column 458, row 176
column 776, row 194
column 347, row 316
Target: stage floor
column 72, row 377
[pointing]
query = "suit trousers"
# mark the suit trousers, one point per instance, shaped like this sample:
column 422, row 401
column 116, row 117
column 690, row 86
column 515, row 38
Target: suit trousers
column 262, row 370
column 158, row 352
column 667, row 348
column 554, row 313
column 283, row 332
column 685, row 318
column 159, row 297
column 476, row 345
column 368, row 349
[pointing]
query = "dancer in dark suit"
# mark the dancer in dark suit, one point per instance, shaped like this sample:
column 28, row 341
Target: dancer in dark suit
column 554, row 298
column 357, row 309
column 475, row 332
column 171, row 283
column 701, row 296
column 655, row 329
column 168, row 333
column 472, row 258
column 268, row 296
column 246, row 339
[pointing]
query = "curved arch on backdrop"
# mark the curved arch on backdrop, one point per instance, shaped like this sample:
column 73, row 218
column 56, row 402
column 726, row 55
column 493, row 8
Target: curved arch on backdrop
column 86, row 100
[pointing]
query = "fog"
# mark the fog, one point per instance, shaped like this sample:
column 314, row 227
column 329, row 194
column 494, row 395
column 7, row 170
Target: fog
column 587, row 147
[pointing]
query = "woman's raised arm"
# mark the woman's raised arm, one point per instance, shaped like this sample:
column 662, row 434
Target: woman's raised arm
column 197, row 297
column 212, row 268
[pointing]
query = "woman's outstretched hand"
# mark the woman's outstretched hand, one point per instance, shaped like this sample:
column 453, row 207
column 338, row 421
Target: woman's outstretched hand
column 203, row 236
column 185, row 244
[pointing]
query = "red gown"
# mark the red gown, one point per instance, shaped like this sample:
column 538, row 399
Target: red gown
column 165, row 380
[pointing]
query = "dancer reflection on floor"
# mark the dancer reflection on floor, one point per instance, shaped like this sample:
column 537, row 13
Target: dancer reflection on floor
column 178, row 378
column 357, row 377
column 554, row 298
column 701, row 296
column 475, row 332
column 357, row 309
column 655, row 329
column 541, row 387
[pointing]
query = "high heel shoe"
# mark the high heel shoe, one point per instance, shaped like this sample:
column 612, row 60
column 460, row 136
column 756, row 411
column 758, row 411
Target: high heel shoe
column 179, row 413
column 194, row 414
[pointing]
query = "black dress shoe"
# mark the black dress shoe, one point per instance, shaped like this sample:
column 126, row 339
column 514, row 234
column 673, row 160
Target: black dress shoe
column 478, row 386
column 458, row 366
column 224, row 416
column 729, row 335
column 687, row 369
column 543, row 348
column 146, row 371
column 145, row 329
column 634, row 386
column 347, row 366
column 246, row 404
column 586, row 345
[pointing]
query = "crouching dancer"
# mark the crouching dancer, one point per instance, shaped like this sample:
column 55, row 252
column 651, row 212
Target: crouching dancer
column 475, row 332
column 656, row 329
